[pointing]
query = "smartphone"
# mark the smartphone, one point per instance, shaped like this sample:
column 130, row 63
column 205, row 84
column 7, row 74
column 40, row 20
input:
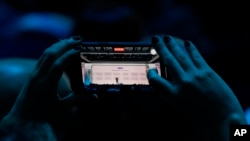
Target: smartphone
column 118, row 63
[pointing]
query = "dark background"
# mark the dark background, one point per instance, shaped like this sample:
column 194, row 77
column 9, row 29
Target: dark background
column 219, row 29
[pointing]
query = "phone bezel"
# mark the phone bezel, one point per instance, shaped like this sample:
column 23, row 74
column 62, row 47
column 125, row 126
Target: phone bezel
column 75, row 67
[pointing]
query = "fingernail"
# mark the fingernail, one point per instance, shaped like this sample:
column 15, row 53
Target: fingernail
column 186, row 43
column 78, row 37
column 152, row 72
column 155, row 39
column 166, row 39
column 153, row 69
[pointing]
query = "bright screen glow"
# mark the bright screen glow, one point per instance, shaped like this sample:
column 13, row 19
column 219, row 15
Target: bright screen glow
column 111, row 73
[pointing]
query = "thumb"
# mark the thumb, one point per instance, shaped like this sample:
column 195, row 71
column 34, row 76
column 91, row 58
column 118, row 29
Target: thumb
column 159, row 83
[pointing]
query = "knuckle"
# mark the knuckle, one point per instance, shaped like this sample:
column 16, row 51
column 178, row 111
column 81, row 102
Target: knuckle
column 57, row 65
column 199, row 76
column 209, row 73
column 187, row 79
column 204, row 74
column 50, row 53
column 196, row 56
column 68, row 42
column 181, row 57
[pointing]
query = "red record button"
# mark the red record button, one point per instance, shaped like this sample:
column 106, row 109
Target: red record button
column 119, row 49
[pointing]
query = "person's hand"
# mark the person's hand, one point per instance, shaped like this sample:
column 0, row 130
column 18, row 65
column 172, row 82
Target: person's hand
column 195, row 89
column 41, row 104
column 38, row 99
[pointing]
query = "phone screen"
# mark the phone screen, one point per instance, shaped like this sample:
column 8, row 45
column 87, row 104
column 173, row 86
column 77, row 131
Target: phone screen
column 118, row 63
column 117, row 73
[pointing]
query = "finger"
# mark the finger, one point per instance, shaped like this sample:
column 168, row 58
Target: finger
column 158, row 82
column 69, row 100
column 195, row 56
column 56, row 50
column 182, row 57
column 175, row 70
column 56, row 70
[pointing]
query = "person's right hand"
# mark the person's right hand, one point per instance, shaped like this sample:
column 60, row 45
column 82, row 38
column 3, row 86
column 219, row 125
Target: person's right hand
column 195, row 89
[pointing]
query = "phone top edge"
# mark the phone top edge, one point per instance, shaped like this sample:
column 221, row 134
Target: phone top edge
column 117, row 44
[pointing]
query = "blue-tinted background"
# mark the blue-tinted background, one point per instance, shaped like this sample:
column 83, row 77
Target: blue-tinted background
column 219, row 30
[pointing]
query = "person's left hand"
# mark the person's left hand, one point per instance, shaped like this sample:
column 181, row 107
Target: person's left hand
column 38, row 99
